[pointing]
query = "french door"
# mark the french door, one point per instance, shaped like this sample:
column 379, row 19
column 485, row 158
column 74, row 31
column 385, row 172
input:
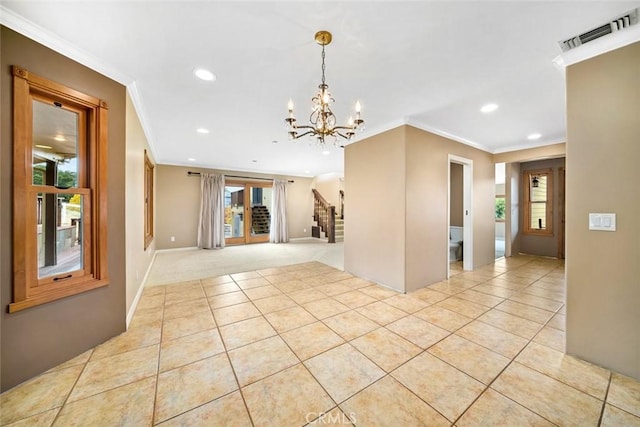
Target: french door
column 247, row 208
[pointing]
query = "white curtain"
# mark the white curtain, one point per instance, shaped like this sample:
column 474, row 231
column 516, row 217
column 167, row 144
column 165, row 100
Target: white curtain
column 211, row 224
column 279, row 227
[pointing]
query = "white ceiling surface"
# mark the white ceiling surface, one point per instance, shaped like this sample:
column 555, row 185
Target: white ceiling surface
column 430, row 64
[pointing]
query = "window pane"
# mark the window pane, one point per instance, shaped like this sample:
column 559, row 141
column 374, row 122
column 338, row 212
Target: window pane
column 233, row 211
column 500, row 207
column 55, row 146
column 59, row 234
column 539, row 193
column 538, row 216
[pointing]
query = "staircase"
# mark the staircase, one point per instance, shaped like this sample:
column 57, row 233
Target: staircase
column 339, row 233
column 260, row 219
column 329, row 222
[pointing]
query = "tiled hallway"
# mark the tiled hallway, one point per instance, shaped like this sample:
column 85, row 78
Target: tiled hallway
column 309, row 343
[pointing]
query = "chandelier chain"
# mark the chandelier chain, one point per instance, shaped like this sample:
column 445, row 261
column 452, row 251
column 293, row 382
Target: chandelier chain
column 323, row 83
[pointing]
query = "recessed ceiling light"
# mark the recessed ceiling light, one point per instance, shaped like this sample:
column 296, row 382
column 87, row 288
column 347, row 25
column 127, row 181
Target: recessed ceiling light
column 191, row 159
column 47, row 147
column 202, row 130
column 534, row 136
column 274, row 142
column 307, row 171
column 489, row 108
column 254, row 161
column 326, row 152
column 203, row 74
column 59, row 138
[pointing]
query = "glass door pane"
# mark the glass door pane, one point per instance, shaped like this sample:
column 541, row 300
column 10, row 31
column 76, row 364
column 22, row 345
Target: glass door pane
column 260, row 202
column 234, row 213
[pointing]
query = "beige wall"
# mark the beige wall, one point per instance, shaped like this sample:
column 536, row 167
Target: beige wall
column 374, row 232
column 329, row 185
column 603, row 273
column 530, row 154
column 542, row 245
column 403, row 243
column 456, row 216
column 38, row 338
column 138, row 259
column 178, row 205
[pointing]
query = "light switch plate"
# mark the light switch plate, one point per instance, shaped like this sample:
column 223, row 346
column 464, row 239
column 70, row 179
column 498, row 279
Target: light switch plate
column 602, row 221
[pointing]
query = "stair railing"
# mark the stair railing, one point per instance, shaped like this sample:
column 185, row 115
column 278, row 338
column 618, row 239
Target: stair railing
column 324, row 213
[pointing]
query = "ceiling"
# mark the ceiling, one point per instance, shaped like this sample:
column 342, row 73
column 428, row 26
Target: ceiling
column 429, row 64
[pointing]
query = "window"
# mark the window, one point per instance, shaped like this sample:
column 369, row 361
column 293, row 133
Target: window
column 500, row 208
column 538, row 198
column 148, row 201
column 59, row 194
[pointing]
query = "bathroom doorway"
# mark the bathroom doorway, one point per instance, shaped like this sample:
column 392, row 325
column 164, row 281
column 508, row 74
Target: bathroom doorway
column 467, row 210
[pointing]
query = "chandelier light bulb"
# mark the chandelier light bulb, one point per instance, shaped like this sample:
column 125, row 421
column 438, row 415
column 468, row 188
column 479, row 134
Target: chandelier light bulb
column 290, row 105
column 358, row 107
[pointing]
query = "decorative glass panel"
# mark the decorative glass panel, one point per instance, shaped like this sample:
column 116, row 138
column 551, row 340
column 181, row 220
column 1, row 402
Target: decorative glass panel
column 538, row 216
column 234, row 211
column 260, row 210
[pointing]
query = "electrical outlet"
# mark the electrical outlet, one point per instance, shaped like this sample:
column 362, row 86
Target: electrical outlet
column 173, row 238
column 305, row 230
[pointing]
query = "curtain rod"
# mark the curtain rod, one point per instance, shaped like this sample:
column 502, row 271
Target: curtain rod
column 237, row 176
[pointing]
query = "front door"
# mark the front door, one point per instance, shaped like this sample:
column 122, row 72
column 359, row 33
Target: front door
column 247, row 208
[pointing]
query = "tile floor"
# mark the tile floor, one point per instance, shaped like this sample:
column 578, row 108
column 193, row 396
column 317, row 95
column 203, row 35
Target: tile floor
column 310, row 344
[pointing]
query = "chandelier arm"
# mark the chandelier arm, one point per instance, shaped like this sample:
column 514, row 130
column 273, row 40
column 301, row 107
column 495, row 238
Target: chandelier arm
column 304, row 134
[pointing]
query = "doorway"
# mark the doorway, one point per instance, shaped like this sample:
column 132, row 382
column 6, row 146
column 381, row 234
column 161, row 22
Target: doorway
column 467, row 212
column 247, row 212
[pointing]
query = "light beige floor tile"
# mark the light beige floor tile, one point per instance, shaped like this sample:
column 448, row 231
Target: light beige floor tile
column 224, row 300
column 188, row 349
column 385, row 348
column 244, row 276
column 182, row 296
column 482, row 364
column 553, row 400
column 186, row 308
column 182, row 326
column 246, row 332
column 228, row 411
column 448, row 288
column 446, row 319
column 262, row 292
column 434, row 381
column 480, row 298
column 44, row 392
column 306, row 295
column 464, row 307
column 149, row 291
column 624, row 392
column 286, row 398
column 116, row 371
column 292, row 286
column 381, row 312
column 355, row 283
column 290, row 318
column 150, row 301
column 235, row 313
column 190, row 386
column 179, row 287
column 324, row 308
column 334, row 417
column 147, row 316
column 354, row 299
column 343, row 371
column 418, row 331
column 274, row 303
column 614, row 417
column 131, row 404
column 378, row 292
column 43, row 419
column 316, row 280
column 529, row 312
column 351, row 324
column 280, row 276
column 78, row 360
column 498, row 340
column 579, row 374
column 218, row 280
column 494, row 290
column 510, row 282
column 493, row 409
column 553, row 338
column 252, row 283
column 311, row 340
column 558, row 321
column 261, row 359
column 536, row 301
column 132, row 339
column 333, row 289
column 429, row 296
column 389, row 403
column 406, row 303
column 222, row 288
column 516, row 325
column 542, row 291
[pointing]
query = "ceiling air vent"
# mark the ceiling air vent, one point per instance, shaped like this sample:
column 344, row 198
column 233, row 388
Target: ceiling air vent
column 617, row 24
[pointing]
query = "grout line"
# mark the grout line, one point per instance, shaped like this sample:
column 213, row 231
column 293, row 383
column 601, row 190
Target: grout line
column 604, row 401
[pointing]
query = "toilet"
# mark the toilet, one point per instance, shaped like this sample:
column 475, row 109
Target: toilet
column 455, row 243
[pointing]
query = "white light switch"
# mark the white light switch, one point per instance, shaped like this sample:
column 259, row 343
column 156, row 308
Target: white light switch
column 602, row 221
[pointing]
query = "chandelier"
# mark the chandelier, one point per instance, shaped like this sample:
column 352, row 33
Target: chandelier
column 322, row 120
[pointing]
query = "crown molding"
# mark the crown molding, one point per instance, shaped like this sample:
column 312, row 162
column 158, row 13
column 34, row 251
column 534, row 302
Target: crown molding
column 529, row 145
column 136, row 100
column 445, row 134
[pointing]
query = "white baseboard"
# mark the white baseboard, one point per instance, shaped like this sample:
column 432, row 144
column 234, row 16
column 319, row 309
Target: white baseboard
column 134, row 304
column 189, row 248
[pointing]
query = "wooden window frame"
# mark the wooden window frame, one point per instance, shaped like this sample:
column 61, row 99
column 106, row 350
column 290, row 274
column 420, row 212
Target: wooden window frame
column 148, row 201
column 28, row 289
column 527, row 176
